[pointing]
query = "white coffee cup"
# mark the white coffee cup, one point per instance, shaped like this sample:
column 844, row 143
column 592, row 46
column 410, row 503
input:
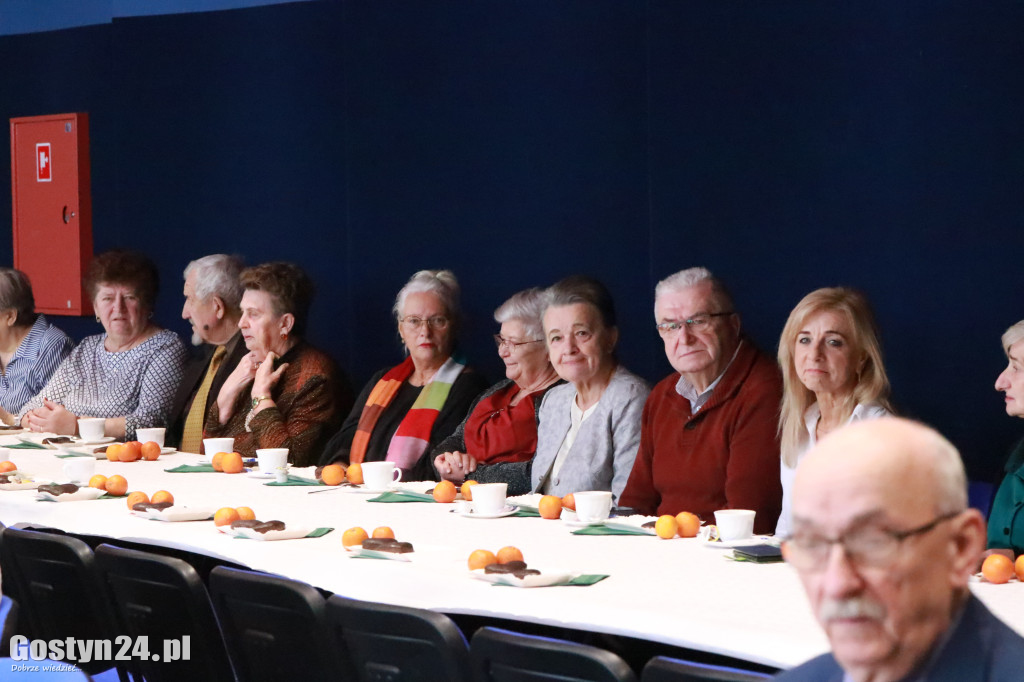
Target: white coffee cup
column 380, row 475
column 734, row 524
column 80, row 469
column 211, row 446
column 271, row 459
column 90, row 429
column 489, row 498
column 155, row 434
column 592, row 506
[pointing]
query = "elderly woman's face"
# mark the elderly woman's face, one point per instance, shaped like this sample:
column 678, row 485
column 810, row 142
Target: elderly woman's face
column 525, row 358
column 579, row 345
column 262, row 329
column 1011, row 381
column 120, row 311
column 825, row 358
column 426, row 329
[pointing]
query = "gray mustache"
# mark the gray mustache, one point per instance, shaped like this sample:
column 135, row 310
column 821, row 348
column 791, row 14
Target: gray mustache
column 856, row 607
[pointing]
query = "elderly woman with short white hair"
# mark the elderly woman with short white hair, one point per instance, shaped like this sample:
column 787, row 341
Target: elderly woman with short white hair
column 405, row 410
column 502, row 423
column 30, row 347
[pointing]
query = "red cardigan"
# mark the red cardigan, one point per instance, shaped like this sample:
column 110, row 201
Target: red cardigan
column 724, row 457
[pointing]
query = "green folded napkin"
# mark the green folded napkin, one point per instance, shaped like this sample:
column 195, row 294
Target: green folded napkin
column 192, row 469
column 65, row 454
column 297, row 480
column 108, row 496
column 527, row 512
column 26, row 446
column 402, row 496
column 605, row 530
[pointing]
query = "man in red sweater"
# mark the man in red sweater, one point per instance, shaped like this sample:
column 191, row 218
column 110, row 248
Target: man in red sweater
column 709, row 437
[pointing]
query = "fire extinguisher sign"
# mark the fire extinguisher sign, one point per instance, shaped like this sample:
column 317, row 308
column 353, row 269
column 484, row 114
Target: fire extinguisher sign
column 44, row 162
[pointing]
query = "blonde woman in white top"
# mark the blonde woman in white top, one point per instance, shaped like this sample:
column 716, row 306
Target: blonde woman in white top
column 832, row 373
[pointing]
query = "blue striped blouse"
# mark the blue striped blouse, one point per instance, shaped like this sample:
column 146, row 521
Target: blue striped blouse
column 37, row 357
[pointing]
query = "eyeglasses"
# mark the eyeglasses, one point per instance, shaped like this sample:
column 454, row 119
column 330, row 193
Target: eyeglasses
column 696, row 323
column 865, row 547
column 512, row 346
column 437, row 322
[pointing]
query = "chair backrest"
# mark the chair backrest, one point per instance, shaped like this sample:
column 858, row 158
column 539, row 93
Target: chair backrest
column 398, row 643
column 497, row 655
column 665, row 669
column 275, row 628
column 59, row 591
column 164, row 599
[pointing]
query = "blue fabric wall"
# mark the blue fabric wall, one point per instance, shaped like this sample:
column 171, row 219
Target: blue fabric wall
column 787, row 146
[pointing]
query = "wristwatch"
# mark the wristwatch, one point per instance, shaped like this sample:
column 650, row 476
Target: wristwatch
column 259, row 399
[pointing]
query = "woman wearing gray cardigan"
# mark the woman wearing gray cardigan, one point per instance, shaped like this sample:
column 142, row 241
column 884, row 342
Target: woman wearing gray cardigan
column 589, row 428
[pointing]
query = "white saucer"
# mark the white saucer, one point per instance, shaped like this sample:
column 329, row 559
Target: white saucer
column 79, row 443
column 582, row 524
column 260, row 474
column 507, row 511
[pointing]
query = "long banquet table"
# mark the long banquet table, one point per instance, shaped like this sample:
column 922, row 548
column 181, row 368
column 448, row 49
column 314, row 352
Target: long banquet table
column 677, row 592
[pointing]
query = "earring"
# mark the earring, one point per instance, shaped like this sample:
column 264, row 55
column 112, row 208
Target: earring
column 97, row 318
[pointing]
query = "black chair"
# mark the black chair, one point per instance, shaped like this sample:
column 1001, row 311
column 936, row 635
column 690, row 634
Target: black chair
column 163, row 598
column 398, row 643
column 665, row 669
column 275, row 628
column 59, row 591
column 501, row 656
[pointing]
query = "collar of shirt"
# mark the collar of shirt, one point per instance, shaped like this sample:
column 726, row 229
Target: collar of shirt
column 698, row 400
column 31, row 339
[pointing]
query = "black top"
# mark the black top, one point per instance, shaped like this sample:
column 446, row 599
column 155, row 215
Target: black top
column 465, row 389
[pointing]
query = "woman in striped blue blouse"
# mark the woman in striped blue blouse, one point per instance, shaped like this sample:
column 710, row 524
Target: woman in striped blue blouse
column 30, row 347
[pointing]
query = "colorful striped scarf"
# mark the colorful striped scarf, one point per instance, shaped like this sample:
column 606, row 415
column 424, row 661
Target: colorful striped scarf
column 413, row 435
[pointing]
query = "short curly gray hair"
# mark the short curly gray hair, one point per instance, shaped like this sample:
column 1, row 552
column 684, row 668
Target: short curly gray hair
column 526, row 306
column 440, row 282
column 218, row 275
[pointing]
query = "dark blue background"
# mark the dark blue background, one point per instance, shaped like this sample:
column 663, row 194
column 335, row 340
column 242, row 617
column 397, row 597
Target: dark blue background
column 785, row 145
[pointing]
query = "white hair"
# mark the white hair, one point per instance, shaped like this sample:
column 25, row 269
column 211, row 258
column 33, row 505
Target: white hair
column 684, row 279
column 1012, row 335
column 526, row 306
column 950, row 477
column 217, row 275
column 442, row 283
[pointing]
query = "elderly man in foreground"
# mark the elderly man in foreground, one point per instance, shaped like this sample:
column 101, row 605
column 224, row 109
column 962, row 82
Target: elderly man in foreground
column 885, row 544
column 709, row 437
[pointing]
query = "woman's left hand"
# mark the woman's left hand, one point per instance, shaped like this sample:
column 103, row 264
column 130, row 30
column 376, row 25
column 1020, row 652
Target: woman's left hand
column 53, row 417
column 266, row 376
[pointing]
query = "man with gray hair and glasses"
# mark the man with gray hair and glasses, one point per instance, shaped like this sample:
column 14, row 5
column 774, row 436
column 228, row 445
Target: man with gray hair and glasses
column 709, row 436
column 212, row 297
column 885, row 545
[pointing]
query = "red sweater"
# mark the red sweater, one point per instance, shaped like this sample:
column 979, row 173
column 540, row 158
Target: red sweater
column 724, row 457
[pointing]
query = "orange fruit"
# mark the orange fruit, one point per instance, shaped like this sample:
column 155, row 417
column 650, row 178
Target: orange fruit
column 550, row 507
column 333, row 474
column 245, row 514
column 481, row 558
column 688, row 524
column 225, row 516
column 467, row 489
column 666, row 527
column 136, row 497
column 117, row 485
column 131, row 451
column 217, row 461
column 997, row 569
column 162, row 496
column 355, row 473
column 232, row 463
column 569, row 501
column 383, row 532
column 7, row 466
column 1018, row 567
column 113, row 452
column 507, row 554
column 353, row 536
column 99, row 481
column 150, row 451
column 444, row 492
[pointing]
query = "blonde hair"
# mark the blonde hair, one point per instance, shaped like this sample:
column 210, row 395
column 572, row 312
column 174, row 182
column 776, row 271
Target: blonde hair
column 872, row 383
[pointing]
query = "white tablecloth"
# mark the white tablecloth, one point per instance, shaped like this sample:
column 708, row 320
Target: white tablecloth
column 678, row 592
